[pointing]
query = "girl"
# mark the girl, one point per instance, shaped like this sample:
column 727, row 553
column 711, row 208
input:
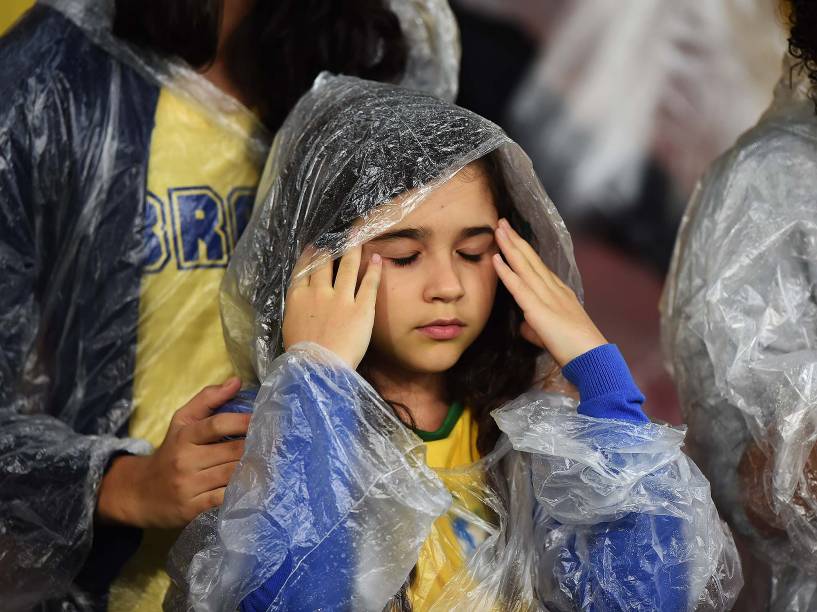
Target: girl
column 401, row 453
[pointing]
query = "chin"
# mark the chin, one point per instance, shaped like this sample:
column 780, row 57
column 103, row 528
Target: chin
column 433, row 359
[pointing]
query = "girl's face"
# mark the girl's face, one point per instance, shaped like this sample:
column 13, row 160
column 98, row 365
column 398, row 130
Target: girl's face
column 438, row 283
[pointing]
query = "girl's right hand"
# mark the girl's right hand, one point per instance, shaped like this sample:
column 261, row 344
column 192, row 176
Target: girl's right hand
column 339, row 317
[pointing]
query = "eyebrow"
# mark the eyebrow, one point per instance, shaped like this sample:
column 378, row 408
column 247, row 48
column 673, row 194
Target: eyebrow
column 420, row 233
column 412, row 233
column 469, row 232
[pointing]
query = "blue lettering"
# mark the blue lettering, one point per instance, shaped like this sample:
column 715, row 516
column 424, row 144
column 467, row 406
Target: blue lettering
column 241, row 202
column 200, row 228
column 157, row 252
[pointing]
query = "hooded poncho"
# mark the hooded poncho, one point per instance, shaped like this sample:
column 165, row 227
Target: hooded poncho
column 740, row 330
column 335, row 490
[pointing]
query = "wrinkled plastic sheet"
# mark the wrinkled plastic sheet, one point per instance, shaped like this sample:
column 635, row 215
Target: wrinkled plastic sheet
column 351, row 160
column 739, row 324
column 559, row 474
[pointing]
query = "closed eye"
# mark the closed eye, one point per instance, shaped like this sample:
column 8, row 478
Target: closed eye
column 404, row 261
column 474, row 257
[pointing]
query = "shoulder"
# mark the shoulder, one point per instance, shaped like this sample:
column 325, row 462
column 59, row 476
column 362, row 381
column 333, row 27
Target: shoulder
column 769, row 157
column 47, row 52
column 763, row 184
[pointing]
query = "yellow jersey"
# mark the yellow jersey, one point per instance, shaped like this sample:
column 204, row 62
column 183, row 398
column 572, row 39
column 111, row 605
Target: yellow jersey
column 201, row 186
column 452, row 539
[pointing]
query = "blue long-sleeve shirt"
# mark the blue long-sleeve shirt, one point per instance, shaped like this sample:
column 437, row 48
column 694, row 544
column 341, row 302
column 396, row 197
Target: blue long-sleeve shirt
column 623, row 547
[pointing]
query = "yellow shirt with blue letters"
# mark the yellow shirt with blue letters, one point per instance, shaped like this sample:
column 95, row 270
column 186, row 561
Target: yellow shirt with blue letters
column 201, row 186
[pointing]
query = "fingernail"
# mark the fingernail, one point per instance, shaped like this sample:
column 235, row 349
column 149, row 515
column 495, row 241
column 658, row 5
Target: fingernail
column 504, row 223
column 376, row 258
column 500, row 231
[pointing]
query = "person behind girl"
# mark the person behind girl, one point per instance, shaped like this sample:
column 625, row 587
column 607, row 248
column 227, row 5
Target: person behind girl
column 404, row 292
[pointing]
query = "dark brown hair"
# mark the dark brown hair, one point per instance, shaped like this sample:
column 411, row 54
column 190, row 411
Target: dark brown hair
column 803, row 38
column 279, row 47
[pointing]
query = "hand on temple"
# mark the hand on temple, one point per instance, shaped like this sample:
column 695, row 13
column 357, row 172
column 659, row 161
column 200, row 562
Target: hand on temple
column 554, row 317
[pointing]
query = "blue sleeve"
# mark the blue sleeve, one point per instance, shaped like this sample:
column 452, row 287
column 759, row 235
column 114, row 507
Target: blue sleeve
column 606, row 387
column 635, row 563
column 334, row 561
column 634, row 560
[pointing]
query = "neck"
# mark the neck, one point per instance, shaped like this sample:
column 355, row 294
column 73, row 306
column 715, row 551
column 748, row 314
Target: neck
column 422, row 393
column 233, row 13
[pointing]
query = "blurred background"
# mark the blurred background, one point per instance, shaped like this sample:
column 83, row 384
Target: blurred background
column 621, row 104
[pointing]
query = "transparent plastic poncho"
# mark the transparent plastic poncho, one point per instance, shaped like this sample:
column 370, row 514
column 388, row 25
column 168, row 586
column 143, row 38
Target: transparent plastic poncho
column 76, row 116
column 553, row 487
column 740, row 329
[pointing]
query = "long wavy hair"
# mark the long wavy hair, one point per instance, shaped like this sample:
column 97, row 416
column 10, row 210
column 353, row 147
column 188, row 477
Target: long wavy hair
column 802, row 16
column 278, row 49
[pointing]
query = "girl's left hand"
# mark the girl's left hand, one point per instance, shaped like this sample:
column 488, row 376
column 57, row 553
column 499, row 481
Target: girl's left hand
column 554, row 317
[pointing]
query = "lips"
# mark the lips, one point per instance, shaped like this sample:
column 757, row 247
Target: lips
column 442, row 329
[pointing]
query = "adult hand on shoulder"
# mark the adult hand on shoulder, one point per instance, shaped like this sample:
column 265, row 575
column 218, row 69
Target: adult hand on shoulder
column 554, row 317
column 337, row 316
column 186, row 475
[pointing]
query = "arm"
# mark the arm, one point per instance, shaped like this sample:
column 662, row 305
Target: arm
column 629, row 560
column 622, row 519
column 606, row 387
column 71, row 161
column 44, row 463
column 326, row 465
column 616, row 519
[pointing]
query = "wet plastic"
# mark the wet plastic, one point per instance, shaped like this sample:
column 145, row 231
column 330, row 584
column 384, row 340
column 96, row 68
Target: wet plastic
column 76, row 115
column 333, row 487
column 739, row 332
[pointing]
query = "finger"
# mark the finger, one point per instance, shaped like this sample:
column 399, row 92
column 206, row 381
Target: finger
column 528, row 252
column 216, row 427
column 347, row 272
column 218, row 453
column 519, row 290
column 215, row 477
column 367, row 292
column 515, row 258
column 322, row 275
column 205, row 401
column 298, row 278
column 209, row 499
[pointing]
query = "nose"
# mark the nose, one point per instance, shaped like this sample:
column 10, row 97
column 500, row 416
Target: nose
column 443, row 284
